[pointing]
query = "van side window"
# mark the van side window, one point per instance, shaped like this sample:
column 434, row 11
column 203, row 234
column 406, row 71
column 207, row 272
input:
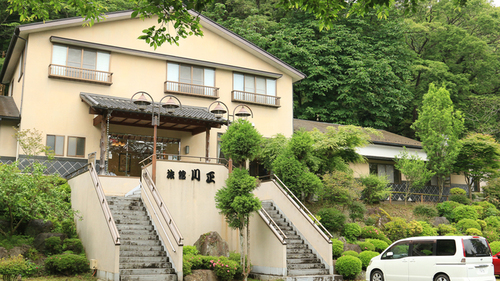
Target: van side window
column 398, row 251
column 445, row 247
column 423, row 248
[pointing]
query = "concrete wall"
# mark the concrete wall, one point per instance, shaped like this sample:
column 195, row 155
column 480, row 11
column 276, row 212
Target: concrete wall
column 8, row 144
column 118, row 186
column 93, row 229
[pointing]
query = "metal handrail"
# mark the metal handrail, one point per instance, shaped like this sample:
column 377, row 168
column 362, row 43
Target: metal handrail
column 302, row 209
column 180, row 157
column 270, row 222
column 104, row 204
column 172, row 226
column 256, row 98
column 71, row 72
column 192, row 89
column 77, row 172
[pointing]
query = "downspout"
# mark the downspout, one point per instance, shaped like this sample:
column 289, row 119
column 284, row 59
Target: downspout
column 25, row 52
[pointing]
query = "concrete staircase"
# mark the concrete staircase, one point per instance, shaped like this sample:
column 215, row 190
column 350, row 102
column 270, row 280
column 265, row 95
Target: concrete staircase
column 142, row 256
column 302, row 263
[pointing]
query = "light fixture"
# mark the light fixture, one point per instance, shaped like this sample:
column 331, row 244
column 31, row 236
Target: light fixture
column 186, row 149
column 142, row 102
column 170, row 105
column 218, row 111
column 243, row 112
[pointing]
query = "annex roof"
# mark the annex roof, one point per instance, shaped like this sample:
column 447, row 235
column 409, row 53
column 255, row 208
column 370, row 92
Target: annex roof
column 387, row 138
column 8, row 108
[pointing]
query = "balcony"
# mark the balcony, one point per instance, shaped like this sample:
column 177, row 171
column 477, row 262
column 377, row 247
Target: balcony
column 191, row 89
column 80, row 74
column 254, row 98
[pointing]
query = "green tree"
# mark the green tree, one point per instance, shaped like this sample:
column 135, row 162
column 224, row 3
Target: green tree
column 478, row 159
column 272, row 148
column 241, row 142
column 439, row 126
column 415, row 171
column 237, row 203
column 375, row 188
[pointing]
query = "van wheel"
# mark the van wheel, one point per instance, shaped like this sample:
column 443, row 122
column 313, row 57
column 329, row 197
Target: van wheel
column 377, row 276
column 441, row 277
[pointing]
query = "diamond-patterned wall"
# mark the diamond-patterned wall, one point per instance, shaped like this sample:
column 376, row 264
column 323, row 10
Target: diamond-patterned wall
column 401, row 187
column 58, row 166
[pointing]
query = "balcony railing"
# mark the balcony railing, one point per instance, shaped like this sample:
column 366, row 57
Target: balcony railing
column 191, row 89
column 255, row 98
column 81, row 74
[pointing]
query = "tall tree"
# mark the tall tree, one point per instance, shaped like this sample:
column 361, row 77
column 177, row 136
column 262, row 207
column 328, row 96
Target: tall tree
column 241, row 142
column 415, row 171
column 439, row 127
column 478, row 159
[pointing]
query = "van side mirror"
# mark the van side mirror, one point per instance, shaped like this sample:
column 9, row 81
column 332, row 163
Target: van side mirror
column 389, row 254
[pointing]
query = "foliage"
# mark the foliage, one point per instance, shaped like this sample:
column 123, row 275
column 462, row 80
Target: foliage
column 482, row 223
column 348, row 266
column 272, row 148
column 67, row 264
column 241, row 141
column 379, row 244
column 332, row 219
column 474, row 232
column 425, row 211
column 490, row 235
column 73, row 244
column 465, row 224
column 414, row 169
column 357, row 210
column 366, row 246
column 224, row 269
column 189, row 250
column 9, row 242
column 366, row 257
column 464, row 211
column 375, row 188
column 11, row 267
column 446, row 208
column 478, row 159
column 372, row 232
column 69, row 227
column 490, row 212
column 495, row 247
column 351, row 231
column 439, row 127
column 427, row 229
column 492, row 222
column 492, row 191
column 350, row 253
column 457, row 191
column 31, row 143
column 396, row 229
column 414, row 228
column 53, row 246
column 337, row 248
column 462, row 199
column 340, row 188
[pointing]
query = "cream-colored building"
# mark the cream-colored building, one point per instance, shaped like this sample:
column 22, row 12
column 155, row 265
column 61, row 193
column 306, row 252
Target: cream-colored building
column 74, row 84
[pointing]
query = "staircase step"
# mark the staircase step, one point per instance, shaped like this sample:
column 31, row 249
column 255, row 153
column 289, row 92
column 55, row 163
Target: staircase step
column 136, row 265
column 304, row 266
column 119, row 212
column 314, row 271
column 156, row 277
column 294, row 240
column 138, row 237
column 142, row 259
column 140, row 248
column 296, row 246
column 124, row 226
column 294, row 256
column 126, row 232
column 302, row 260
column 137, row 254
column 146, row 271
column 141, row 242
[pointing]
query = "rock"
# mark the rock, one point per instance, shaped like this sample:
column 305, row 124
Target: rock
column 16, row 251
column 211, row 244
column 39, row 242
column 201, row 275
column 36, row 227
column 381, row 222
column 440, row 220
column 352, row 247
column 342, row 238
column 3, row 253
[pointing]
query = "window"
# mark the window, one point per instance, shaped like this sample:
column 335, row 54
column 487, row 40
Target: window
column 190, row 79
column 76, row 146
column 56, row 143
column 423, row 248
column 253, row 88
column 398, row 251
column 445, row 247
column 80, row 63
column 393, row 174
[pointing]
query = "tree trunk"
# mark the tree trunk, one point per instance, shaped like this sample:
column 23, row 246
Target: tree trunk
column 248, row 267
column 441, row 187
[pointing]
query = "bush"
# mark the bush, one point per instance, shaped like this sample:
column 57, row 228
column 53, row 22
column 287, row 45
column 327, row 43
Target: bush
column 186, row 266
column 371, row 220
column 332, row 219
column 446, row 208
column 474, row 232
column 351, row 231
column 444, row 229
column 357, row 210
column 465, row 212
column 378, row 244
column 53, row 246
column 457, row 191
column 372, row 232
column 462, row 199
column 348, row 267
column 490, row 235
column 350, row 253
column 32, row 269
column 427, row 229
column 495, row 247
column 396, row 229
column 69, row 228
column 74, row 245
column 224, row 268
column 11, row 267
column 366, row 246
column 465, row 224
column 492, row 222
column 67, row 264
column 482, row 224
column 337, row 248
column 375, row 189
column 366, row 257
column 490, row 212
column 414, row 228
column 425, row 211
column 189, row 250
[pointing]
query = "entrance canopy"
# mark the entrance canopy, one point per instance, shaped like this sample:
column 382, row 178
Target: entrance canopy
column 123, row 112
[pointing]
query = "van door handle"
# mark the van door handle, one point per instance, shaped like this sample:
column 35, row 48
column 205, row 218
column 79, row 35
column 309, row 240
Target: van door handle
column 412, row 260
column 405, row 260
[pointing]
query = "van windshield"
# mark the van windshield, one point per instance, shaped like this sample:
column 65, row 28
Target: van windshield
column 476, row 247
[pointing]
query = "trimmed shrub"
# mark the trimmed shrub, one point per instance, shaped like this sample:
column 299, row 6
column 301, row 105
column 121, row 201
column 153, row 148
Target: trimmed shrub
column 465, row 212
column 445, row 209
column 332, row 219
column 337, row 248
column 490, row 212
column 371, row 232
column 396, row 229
column 68, row 227
column 425, row 211
column 67, row 264
column 495, row 247
column 482, row 224
column 462, row 199
column 351, row 231
column 457, row 191
column 492, row 222
column 53, row 246
column 428, row 229
column 371, row 220
column 414, row 228
column 366, row 246
column 224, row 268
column 11, row 267
column 348, row 266
column 186, row 266
column 465, row 224
column 350, row 253
column 74, row 245
column 444, row 229
column 375, row 189
column 357, row 211
column 189, row 250
column 490, row 235
column 366, row 257
column 378, row 244
column 474, row 232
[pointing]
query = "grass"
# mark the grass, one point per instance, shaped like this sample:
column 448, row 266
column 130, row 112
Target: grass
column 87, row 276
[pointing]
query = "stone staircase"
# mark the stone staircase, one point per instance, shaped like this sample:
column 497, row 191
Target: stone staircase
column 300, row 259
column 142, row 256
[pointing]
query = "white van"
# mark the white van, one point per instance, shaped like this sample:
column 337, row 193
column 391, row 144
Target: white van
column 434, row 258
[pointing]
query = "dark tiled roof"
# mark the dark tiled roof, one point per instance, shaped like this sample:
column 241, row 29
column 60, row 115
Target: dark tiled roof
column 386, row 138
column 124, row 104
column 8, row 108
